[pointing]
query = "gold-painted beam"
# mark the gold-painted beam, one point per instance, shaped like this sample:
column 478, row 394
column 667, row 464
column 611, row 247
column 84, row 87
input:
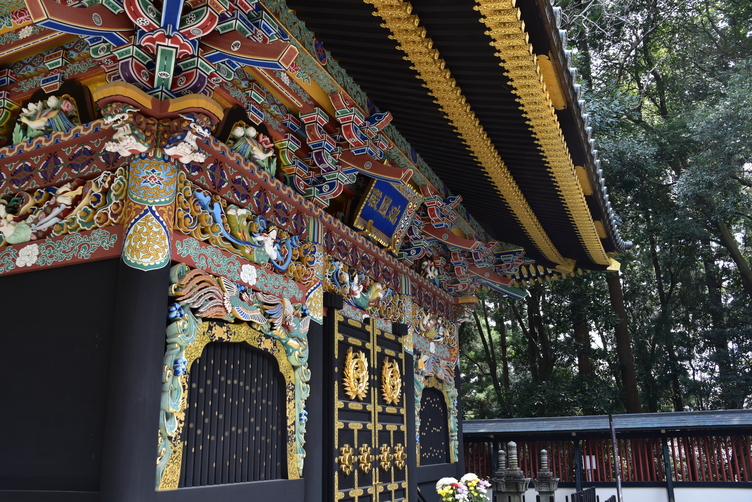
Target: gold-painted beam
column 509, row 36
column 412, row 38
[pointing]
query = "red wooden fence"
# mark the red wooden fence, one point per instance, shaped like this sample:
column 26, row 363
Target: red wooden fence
column 692, row 458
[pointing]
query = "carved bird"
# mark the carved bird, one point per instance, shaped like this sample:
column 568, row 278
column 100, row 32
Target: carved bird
column 38, row 116
column 239, row 303
column 280, row 310
column 268, row 241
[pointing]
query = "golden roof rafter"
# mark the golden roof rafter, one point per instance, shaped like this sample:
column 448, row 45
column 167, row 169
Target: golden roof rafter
column 520, row 62
column 412, row 38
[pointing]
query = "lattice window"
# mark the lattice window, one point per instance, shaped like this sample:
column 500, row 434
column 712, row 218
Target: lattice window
column 235, row 419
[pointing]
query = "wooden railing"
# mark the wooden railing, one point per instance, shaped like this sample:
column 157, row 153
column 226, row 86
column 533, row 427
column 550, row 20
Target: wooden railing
column 691, row 459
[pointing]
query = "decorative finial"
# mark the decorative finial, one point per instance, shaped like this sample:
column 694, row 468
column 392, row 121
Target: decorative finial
column 501, row 467
column 512, row 452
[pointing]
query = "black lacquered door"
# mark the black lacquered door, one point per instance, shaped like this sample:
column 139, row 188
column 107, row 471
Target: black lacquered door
column 369, row 450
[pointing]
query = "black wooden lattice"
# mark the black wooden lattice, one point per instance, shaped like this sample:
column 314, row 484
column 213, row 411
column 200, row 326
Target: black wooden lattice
column 434, row 433
column 235, row 419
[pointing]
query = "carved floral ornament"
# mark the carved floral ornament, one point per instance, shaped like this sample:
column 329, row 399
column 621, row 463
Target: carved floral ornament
column 346, row 459
column 355, row 375
column 267, row 322
column 400, row 456
column 365, row 458
column 391, row 382
column 385, row 457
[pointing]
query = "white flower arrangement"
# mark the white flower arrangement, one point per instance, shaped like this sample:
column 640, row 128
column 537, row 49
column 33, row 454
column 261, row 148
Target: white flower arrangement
column 470, row 488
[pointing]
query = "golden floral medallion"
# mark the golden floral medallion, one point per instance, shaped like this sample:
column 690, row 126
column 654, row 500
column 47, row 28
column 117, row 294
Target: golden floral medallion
column 356, row 375
column 346, row 459
column 365, row 458
column 391, row 382
column 399, row 456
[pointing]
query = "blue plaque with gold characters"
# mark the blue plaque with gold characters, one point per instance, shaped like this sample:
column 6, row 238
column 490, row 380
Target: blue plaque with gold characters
column 385, row 212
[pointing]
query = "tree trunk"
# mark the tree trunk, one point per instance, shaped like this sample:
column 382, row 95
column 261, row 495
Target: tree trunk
column 490, row 359
column 504, row 356
column 623, row 346
column 729, row 242
column 532, row 346
column 582, row 339
column 581, row 336
column 717, row 337
column 665, row 328
column 547, row 359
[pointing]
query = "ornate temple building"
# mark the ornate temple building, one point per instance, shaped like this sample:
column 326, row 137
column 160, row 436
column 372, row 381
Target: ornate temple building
column 238, row 237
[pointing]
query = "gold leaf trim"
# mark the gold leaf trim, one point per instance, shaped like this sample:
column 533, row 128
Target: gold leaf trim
column 411, row 37
column 502, row 18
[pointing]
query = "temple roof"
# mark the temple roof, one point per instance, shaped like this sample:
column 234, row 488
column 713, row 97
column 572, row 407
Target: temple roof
column 522, row 158
column 681, row 420
column 484, row 102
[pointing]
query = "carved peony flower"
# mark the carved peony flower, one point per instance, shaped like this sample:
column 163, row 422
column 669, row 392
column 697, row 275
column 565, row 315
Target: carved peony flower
column 28, row 256
column 248, row 274
column 265, row 142
column 66, row 106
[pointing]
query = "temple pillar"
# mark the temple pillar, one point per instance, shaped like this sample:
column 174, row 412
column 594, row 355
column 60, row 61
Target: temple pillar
column 313, row 472
column 130, row 445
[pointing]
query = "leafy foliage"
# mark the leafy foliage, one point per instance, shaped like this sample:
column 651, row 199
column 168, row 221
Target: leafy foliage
column 669, row 92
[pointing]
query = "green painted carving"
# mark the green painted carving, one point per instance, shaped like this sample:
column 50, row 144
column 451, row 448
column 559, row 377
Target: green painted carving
column 180, row 334
column 16, row 35
column 279, row 284
column 199, row 297
column 75, row 246
column 209, row 258
column 65, row 71
column 250, row 144
column 56, row 250
column 8, row 257
column 449, row 390
column 8, row 6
